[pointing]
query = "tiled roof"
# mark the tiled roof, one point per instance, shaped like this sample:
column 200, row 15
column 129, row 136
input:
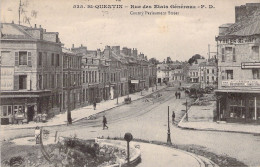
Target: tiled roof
column 247, row 26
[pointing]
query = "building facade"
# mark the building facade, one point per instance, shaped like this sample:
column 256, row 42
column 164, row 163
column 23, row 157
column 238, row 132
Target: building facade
column 238, row 94
column 31, row 72
column 208, row 75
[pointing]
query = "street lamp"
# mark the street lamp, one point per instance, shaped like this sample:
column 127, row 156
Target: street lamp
column 169, row 132
column 128, row 137
column 186, row 94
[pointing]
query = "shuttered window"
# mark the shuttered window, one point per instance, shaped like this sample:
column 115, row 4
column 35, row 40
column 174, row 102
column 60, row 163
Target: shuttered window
column 16, row 58
column 16, row 82
column 223, row 54
column 234, row 55
column 22, row 58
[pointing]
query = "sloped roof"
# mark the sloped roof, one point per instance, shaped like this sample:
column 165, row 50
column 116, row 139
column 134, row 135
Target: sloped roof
column 247, row 26
column 14, row 31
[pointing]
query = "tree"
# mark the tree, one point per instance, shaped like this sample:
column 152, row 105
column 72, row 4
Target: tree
column 154, row 61
column 194, row 58
column 169, row 60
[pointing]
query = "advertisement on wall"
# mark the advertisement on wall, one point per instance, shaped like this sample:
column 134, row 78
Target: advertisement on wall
column 241, row 83
column 7, row 78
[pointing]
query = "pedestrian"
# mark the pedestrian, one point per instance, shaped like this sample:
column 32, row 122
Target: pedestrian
column 173, row 117
column 105, row 123
column 179, row 94
column 176, row 94
column 94, row 105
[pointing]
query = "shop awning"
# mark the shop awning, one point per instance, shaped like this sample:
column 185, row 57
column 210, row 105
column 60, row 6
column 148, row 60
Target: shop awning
column 237, row 91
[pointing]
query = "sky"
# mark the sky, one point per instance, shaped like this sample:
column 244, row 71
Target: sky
column 176, row 36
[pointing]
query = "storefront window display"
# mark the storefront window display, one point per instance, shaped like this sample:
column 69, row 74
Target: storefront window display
column 237, row 108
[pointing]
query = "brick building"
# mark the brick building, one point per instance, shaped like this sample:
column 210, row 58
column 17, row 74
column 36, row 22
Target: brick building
column 238, row 94
column 31, row 72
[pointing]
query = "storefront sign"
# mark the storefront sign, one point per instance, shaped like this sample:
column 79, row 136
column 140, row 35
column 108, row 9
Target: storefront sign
column 7, row 78
column 247, row 83
column 250, row 65
column 134, row 81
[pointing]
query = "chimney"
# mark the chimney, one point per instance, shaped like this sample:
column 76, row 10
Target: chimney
column 81, row 45
column 12, row 22
column 72, row 45
column 35, row 26
column 40, row 26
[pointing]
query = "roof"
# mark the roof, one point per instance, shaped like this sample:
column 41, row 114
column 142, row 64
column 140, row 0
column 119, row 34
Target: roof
column 14, row 31
column 247, row 26
column 67, row 51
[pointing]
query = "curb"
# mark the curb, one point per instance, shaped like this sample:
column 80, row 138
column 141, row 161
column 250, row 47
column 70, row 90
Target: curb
column 120, row 104
column 212, row 130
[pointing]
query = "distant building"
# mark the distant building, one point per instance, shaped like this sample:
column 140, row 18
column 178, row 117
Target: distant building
column 238, row 94
column 208, row 74
column 163, row 73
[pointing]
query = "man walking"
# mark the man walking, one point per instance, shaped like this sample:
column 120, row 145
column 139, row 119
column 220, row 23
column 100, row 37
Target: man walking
column 176, row 94
column 94, row 105
column 105, row 123
column 173, row 117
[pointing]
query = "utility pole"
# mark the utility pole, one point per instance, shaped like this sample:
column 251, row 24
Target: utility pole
column 20, row 7
column 169, row 132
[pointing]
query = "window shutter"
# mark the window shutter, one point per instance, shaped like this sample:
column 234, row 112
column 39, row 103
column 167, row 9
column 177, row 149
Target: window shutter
column 29, row 59
column 16, row 82
column 223, row 54
column 16, row 59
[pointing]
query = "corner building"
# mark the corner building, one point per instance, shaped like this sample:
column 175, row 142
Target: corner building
column 238, row 93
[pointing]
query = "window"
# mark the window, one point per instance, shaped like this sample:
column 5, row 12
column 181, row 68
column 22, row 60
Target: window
column 213, row 71
column 40, row 59
column 234, row 55
column 57, row 60
column 22, row 58
column 6, row 110
column 202, row 78
column 207, row 71
column 223, row 54
column 45, row 81
column 212, row 78
column 22, row 81
column 83, row 76
column 58, row 80
column 52, row 59
column 256, row 73
column 229, row 74
column 40, row 81
column 255, row 52
column 52, row 81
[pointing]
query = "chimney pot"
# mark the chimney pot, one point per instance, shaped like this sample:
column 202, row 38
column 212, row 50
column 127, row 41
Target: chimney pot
column 35, row 26
column 81, row 45
column 12, row 22
column 72, row 45
column 40, row 26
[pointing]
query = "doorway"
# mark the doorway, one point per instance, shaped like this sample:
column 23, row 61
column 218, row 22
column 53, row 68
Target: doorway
column 30, row 113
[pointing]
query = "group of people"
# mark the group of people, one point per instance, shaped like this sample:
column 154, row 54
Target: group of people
column 178, row 95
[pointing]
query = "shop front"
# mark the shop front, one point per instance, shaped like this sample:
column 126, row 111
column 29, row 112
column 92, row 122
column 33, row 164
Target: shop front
column 238, row 106
column 24, row 107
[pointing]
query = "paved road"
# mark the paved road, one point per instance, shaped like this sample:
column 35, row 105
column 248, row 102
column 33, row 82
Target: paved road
column 148, row 120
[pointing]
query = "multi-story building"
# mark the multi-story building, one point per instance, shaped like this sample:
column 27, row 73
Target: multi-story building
column 179, row 74
column 31, row 72
column 208, row 74
column 193, row 72
column 72, row 80
column 163, row 73
column 238, row 94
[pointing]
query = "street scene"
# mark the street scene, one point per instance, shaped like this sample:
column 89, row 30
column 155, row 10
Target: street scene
column 125, row 103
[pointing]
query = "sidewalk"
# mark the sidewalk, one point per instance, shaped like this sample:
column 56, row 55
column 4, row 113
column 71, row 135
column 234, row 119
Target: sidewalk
column 151, row 154
column 201, row 118
column 84, row 112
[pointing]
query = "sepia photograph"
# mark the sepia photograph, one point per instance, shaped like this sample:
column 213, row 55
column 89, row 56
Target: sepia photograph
column 130, row 83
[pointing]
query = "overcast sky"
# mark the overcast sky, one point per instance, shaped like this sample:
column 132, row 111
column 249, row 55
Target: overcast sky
column 179, row 37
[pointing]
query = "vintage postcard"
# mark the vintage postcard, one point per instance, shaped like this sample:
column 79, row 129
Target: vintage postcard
column 130, row 83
